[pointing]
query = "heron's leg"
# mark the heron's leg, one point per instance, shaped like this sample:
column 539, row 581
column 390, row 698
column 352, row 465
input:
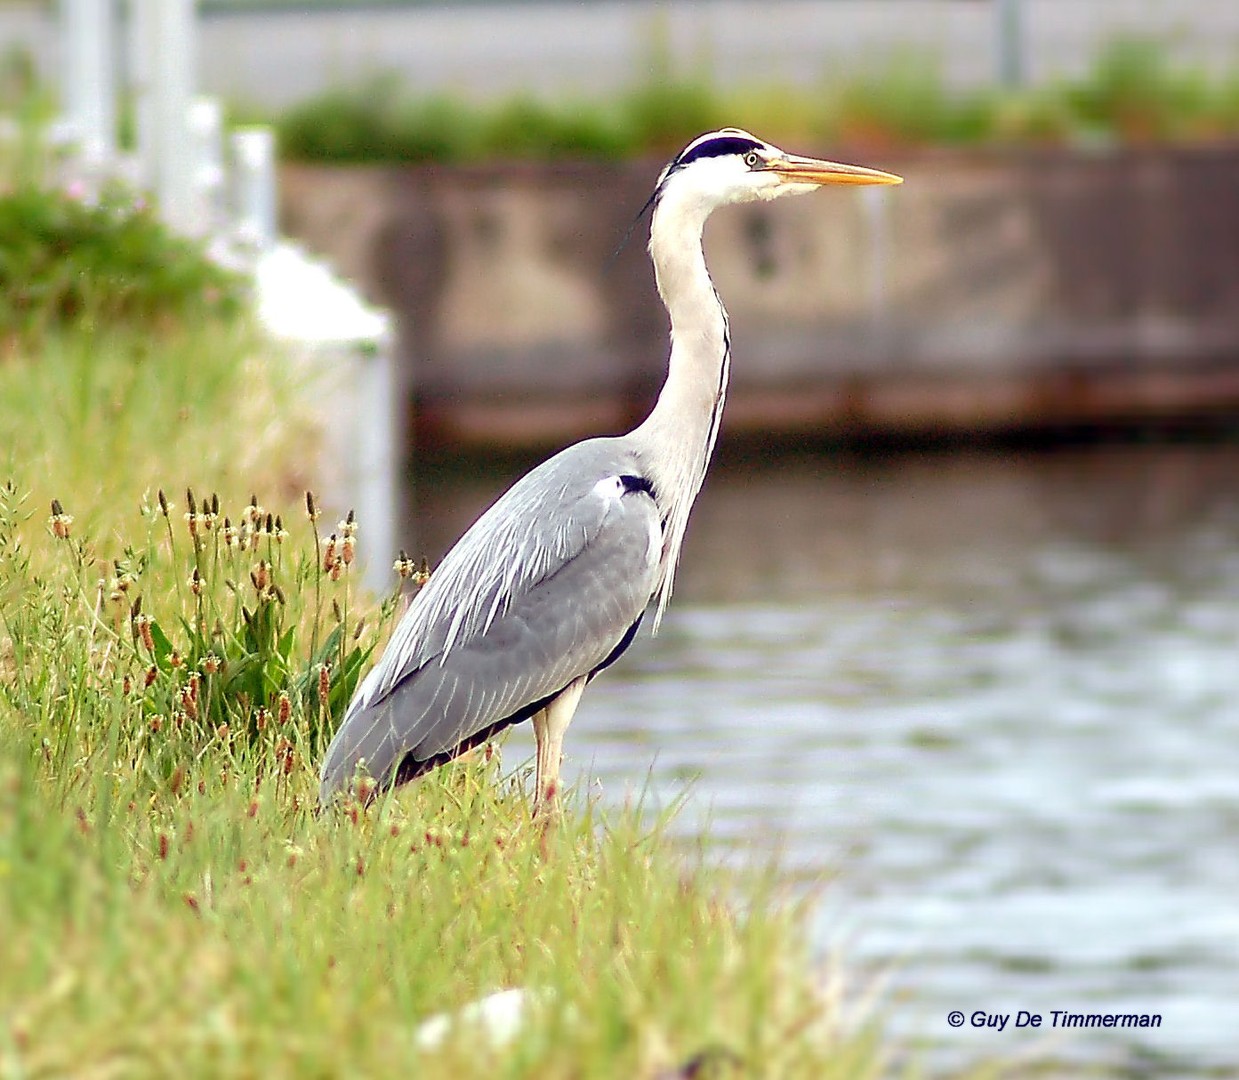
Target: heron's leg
column 549, row 726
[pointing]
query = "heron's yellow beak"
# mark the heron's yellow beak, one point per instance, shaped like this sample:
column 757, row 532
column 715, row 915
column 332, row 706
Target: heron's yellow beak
column 804, row 170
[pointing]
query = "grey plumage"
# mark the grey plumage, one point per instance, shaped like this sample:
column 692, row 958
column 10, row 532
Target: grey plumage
column 549, row 585
column 490, row 634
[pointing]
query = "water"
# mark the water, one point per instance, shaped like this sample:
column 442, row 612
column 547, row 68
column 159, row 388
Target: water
column 994, row 698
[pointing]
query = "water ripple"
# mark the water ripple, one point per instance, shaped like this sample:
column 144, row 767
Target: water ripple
column 997, row 698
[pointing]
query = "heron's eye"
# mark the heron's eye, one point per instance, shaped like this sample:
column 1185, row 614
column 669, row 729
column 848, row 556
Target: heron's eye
column 752, row 159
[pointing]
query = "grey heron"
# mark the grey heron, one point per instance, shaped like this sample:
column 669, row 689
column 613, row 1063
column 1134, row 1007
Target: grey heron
column 549, row 586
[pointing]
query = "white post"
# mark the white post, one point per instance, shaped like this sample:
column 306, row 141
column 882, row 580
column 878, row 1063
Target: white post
column 141, row 52
column 378, row 460
column 1009, row 36
column 253, row 167
column 206, row 132
column 165, row 64
column 89, row 75
column 348, row 351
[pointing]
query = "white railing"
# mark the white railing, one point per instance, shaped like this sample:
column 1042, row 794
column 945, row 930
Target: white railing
column 225, row 192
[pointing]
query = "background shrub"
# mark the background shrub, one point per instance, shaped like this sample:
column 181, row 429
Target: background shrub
column 65, row 259
column 1134, row 91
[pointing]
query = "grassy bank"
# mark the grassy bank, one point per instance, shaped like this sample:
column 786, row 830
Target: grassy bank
column 1134, row 93
column 171, row 904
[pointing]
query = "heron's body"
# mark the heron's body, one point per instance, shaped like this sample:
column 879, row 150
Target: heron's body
column 548, row 587
column 488, row 642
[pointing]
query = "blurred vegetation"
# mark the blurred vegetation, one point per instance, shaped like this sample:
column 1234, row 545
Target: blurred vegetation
column 66, row 257
column 27, row 106
column 1133, row 93
column 1136, row 93
column 79, row 255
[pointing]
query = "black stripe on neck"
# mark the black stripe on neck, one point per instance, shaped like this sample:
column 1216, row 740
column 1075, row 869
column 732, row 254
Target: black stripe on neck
column 637, row 483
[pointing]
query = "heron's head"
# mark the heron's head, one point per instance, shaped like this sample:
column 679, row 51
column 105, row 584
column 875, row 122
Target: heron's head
column 732, row 166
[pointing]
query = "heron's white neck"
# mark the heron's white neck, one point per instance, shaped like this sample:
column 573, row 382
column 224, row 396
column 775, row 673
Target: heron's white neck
column 677, row 438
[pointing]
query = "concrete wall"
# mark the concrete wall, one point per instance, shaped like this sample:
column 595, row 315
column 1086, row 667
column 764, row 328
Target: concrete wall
column 990, row 291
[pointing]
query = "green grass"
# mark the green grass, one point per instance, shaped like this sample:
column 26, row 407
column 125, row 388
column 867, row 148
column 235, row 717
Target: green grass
column 1134, row 92
column 171, row 903
column 66, row 259
column 101, row 420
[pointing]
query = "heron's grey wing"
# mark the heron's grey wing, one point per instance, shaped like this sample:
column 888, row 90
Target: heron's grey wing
column 542, row 589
